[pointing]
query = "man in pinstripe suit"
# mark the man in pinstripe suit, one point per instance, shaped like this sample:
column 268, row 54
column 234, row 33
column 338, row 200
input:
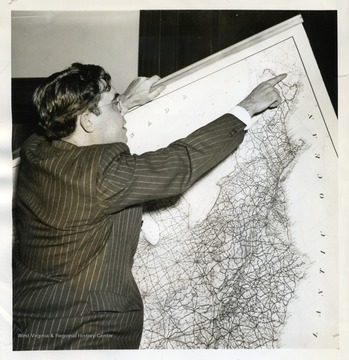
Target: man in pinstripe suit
column 79, row 206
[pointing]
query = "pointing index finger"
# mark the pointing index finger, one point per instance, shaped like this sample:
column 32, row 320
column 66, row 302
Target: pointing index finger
column 273, row 81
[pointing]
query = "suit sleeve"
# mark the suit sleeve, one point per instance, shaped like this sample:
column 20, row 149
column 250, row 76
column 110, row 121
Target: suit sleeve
column 131, row 179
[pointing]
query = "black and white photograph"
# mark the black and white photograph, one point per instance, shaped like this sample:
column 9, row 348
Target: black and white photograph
column 174, row 180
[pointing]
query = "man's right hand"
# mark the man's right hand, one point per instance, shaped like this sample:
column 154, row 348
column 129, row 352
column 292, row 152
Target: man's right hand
column 263, row 97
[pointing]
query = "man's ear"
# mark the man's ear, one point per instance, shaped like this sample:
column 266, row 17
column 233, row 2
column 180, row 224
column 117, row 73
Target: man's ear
column 86, row 122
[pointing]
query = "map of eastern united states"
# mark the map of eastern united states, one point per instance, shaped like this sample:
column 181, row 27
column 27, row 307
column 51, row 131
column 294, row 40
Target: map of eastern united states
column 226, row 282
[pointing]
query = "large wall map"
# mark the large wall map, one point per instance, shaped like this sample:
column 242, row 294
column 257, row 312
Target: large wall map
column 247, row 257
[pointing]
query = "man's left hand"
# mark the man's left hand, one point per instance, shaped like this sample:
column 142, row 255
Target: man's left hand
column 140, row 91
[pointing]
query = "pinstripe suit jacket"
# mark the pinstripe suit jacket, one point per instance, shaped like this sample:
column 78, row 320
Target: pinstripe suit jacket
column 79, row 212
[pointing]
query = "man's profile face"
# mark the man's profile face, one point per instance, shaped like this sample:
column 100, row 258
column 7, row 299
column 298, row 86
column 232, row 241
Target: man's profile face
column 110, row 124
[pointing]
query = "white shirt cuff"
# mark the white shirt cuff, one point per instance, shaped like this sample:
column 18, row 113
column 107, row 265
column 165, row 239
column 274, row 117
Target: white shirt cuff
column 243, row 115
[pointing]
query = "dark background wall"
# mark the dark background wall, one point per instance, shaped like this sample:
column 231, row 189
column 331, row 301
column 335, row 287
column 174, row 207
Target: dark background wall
column 172, row 39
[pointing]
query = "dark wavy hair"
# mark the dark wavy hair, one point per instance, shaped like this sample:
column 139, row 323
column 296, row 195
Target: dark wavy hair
column 66, row 94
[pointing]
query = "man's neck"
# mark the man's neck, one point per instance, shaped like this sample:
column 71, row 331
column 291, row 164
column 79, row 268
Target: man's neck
column 78, row 140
